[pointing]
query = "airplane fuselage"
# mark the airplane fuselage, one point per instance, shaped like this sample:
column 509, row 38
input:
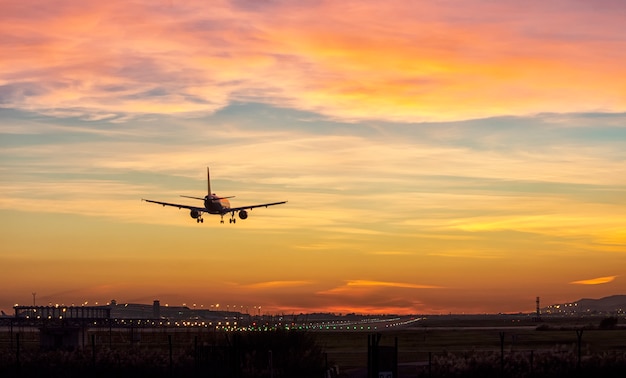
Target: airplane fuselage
column 216, row 205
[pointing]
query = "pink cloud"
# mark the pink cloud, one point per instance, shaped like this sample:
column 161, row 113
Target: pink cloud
column 394, row 60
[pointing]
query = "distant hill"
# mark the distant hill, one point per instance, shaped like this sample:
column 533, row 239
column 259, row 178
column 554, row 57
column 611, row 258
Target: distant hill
column 615, row 304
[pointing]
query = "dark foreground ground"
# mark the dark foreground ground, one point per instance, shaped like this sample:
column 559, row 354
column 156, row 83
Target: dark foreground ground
column 435, row 347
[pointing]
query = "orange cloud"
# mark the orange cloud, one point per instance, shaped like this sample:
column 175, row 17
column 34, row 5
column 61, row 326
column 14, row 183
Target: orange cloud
column 595, row 281
column 362, row 286
column 366, row 283
column 277, row 284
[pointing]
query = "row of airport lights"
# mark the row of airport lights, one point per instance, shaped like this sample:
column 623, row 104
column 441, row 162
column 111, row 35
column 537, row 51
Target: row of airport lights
column 340, row 325
column 234, row 326
column 212, row 307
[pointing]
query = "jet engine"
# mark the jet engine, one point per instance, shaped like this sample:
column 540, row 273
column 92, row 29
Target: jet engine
column 243, row 214
column 195, row 214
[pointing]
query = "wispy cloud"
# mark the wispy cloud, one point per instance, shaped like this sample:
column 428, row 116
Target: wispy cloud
column 390, row 253
column 329, row 176
column 367, row 283
column 595, row 281
column 362, row 286
column 277, row 284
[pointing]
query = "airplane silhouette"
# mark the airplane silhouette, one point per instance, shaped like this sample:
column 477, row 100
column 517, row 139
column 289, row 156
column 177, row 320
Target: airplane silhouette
column 214, row 204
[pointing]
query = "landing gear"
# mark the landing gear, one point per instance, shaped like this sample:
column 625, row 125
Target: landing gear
column 199, row 220
column 231, row 220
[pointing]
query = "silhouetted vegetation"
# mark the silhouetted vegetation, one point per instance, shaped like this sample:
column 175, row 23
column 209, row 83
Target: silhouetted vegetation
column 608, row 323
column 290, row 353
column 278, row 354
column 557, row 362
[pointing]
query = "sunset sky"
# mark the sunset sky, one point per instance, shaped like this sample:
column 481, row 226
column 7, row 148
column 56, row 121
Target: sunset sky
column 437, row 156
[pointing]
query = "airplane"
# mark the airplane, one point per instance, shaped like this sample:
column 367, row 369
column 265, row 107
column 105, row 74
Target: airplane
column 214, row 204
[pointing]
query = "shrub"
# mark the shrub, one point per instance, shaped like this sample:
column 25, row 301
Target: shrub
column 608, row 323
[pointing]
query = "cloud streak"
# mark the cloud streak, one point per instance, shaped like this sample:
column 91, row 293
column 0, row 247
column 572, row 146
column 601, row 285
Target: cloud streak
column 367, row 283
column 595, row 281
column 366, row 287
column 277, row 285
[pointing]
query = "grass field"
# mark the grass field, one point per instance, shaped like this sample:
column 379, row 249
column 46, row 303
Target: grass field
column 350, row 349
column 491, row 342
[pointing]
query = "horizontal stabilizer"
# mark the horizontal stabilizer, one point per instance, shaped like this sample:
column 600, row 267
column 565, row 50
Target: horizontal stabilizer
column 198, row 198
column 202, row 199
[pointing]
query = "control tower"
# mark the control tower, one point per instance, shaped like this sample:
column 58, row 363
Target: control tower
column 537, row 317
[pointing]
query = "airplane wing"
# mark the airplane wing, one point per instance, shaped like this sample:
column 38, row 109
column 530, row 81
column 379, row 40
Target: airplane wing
column 255, row 206
column 200, row 209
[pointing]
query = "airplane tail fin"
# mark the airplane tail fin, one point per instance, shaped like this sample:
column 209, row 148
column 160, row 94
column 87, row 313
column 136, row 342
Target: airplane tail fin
column 208, row 181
